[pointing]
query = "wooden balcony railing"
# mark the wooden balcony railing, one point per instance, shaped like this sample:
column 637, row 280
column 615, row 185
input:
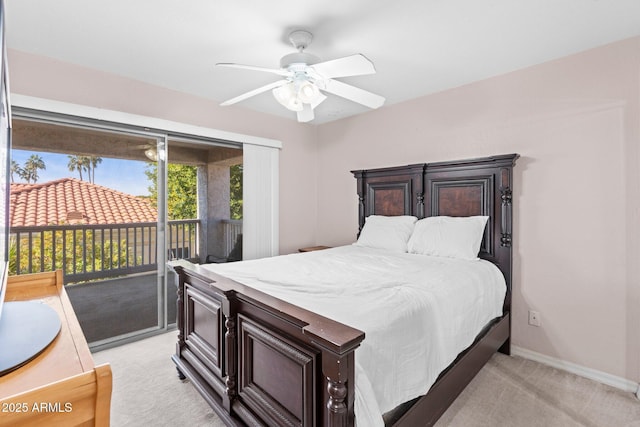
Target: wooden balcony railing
column 89, row 252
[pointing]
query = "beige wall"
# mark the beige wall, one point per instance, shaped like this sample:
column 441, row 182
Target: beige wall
column 574, row 121
column 576, row 124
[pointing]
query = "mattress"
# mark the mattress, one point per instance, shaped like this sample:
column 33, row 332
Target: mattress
column 417, row 312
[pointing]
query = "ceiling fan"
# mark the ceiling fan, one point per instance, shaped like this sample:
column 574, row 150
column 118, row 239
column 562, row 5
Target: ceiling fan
column 305, row 78
column 150, row 150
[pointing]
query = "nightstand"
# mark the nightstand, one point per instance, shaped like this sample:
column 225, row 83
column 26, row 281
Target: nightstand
column 313, row 248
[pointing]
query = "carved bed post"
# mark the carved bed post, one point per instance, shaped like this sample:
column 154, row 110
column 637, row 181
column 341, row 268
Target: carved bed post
column 505, row 191
column 420, row 193
column 230, row 324
column 361, row 195
column 179, row 318
column 340, row 388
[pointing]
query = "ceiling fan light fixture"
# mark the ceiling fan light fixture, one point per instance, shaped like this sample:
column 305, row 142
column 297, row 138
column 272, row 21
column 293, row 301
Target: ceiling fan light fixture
column 294, row 94
column 287, row 96
column 295, row 104
column 308, row 92
column 152, row 154
column 284, row 93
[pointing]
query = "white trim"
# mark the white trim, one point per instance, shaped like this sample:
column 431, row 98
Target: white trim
column 592, row 374
column 85, row 111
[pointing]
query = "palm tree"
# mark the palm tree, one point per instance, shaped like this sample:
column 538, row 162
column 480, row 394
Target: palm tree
column 94, row 162
column 31, row 167
column 73, row 165
column 16, row 169
column 84, row 164
column 77, row 163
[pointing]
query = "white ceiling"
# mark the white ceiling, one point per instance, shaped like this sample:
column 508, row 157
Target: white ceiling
column 418, row 46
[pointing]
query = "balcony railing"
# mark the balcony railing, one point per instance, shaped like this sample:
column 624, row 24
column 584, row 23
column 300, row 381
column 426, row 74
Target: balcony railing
column 231, row 229
column 88, row 252
column 182, row 239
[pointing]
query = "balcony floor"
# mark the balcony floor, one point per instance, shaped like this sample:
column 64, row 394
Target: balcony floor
column 109, row 308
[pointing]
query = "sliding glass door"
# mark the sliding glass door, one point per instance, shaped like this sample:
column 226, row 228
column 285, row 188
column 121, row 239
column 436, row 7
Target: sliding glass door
column 180, row 196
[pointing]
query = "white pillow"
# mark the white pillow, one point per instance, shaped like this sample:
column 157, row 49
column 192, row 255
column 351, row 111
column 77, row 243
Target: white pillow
column 387, row 232
column 446, row 236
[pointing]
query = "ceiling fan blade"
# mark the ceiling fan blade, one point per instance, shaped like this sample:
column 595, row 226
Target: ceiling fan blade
column 306, row 114
column 254, row 92
column 277, row 71
column 318, row 100
column 354, row 94
column 354, row 65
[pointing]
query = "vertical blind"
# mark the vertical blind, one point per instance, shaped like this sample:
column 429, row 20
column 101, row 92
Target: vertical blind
column 260, row 201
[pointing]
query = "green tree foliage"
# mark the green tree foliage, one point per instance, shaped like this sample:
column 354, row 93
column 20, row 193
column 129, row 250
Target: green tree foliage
column 28, row 172
column 182, row 189
column 236, row 191
column 88, row 254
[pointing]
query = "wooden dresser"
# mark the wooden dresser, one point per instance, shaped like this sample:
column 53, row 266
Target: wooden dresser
column 61, row 386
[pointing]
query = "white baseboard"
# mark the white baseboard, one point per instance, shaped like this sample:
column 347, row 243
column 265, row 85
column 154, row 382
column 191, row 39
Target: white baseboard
column 592, row 374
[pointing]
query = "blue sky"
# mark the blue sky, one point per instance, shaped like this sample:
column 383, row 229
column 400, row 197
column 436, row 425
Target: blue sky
column 122, row 175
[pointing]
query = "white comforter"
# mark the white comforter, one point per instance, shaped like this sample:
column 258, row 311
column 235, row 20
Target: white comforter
column 417, row 312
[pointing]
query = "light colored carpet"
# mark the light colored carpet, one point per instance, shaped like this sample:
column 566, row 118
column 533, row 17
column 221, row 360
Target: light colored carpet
column 516, row 392
column 146, row 388
column 508, row 391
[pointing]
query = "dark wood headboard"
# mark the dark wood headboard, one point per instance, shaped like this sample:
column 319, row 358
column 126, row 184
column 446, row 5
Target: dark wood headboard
column 481, row 186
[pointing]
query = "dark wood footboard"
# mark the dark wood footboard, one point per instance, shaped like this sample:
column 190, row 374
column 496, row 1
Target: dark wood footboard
column 258, row 360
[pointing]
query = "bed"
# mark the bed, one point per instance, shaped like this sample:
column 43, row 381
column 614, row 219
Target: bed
column 260, row 356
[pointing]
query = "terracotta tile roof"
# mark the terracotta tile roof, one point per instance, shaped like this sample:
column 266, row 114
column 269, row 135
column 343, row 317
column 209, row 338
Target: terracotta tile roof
column 71, row 201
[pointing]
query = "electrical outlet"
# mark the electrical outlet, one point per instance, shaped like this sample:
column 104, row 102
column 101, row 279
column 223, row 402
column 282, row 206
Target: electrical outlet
column 534, row 318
